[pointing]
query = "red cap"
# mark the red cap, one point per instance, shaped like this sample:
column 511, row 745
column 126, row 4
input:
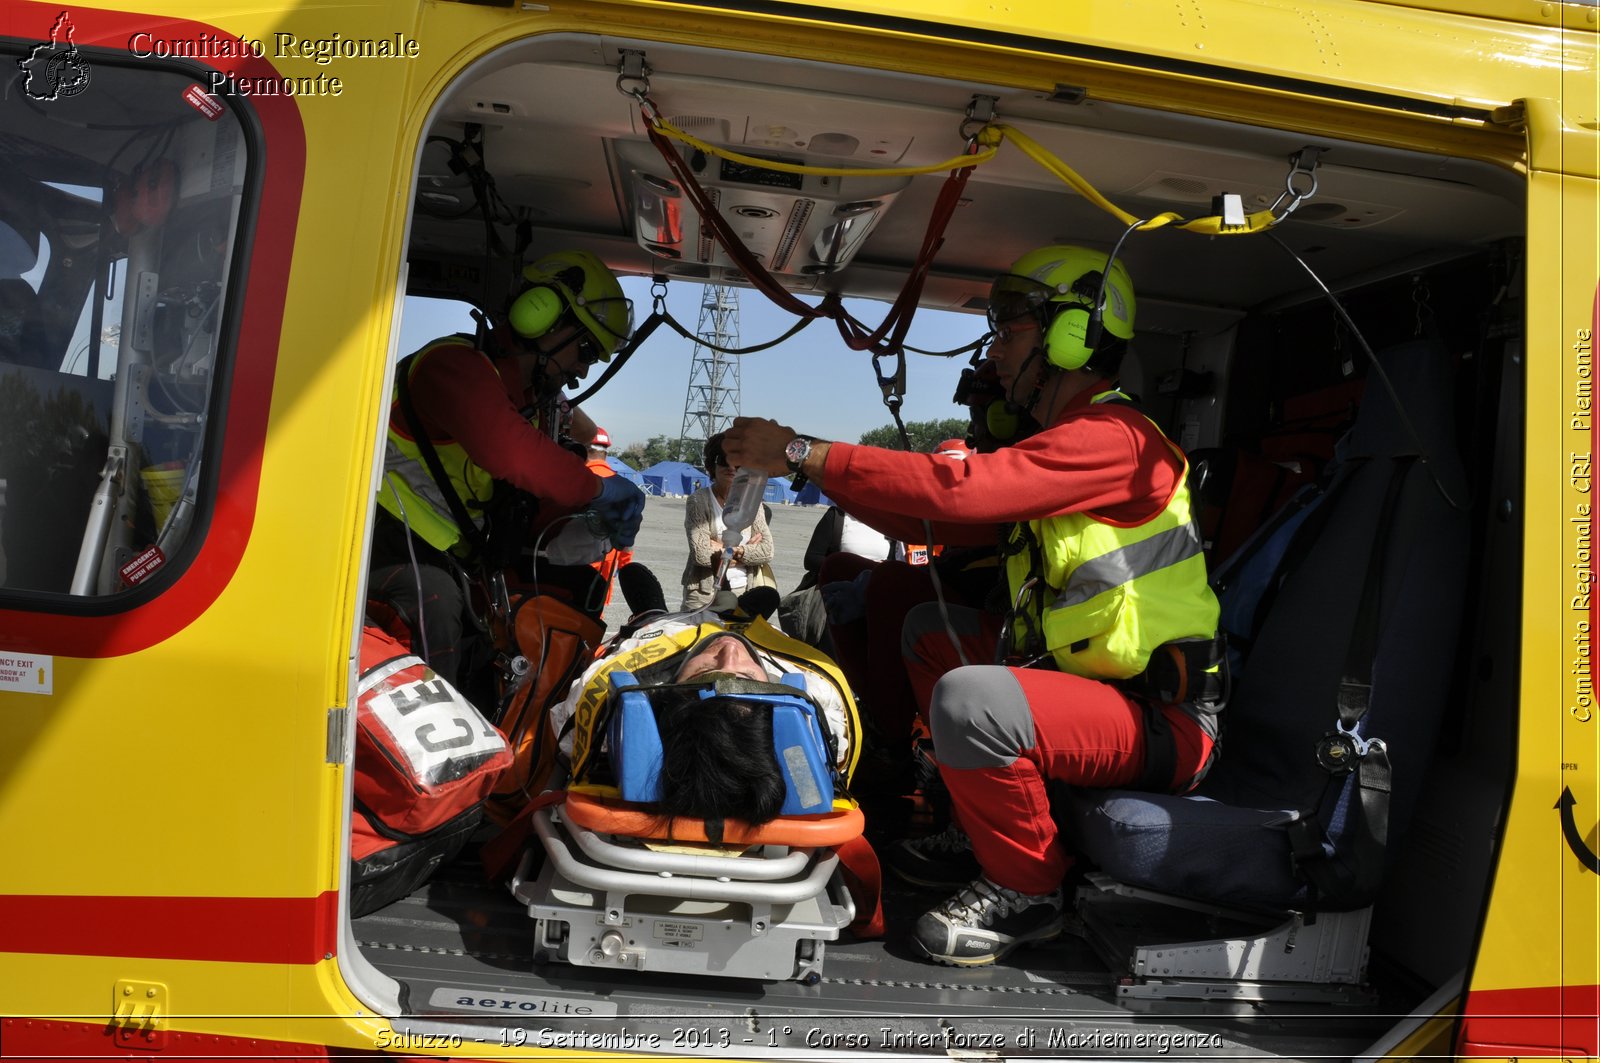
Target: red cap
column 956, row 448
column 602, row 438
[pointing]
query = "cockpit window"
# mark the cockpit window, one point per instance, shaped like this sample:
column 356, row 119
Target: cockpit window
column 120, row 205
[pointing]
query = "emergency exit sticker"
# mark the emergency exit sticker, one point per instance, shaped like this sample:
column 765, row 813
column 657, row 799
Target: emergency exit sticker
column 26, row 673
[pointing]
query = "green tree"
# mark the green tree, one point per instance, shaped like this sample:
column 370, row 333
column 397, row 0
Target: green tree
column 925, row 435
column 662, row 448
column 632, row 456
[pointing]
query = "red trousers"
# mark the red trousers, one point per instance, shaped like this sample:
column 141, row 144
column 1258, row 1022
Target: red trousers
column 1002, row 733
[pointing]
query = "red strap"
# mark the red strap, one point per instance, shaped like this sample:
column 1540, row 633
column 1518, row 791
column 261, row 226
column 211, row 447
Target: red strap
column 864, row 879
column 501, row 853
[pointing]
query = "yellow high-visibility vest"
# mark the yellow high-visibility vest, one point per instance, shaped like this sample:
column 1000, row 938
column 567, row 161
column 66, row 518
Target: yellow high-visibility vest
column 1108, row 596
column 421, row 504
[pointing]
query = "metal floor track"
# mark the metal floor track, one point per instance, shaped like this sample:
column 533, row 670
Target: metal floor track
column 463, row 952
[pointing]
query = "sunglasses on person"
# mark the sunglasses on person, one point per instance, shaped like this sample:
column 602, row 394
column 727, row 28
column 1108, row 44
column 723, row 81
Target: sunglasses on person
column 589, row 349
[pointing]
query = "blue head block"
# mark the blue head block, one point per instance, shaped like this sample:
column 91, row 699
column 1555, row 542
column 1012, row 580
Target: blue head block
column 799, row 747
column 801, row 751
column 634, row 740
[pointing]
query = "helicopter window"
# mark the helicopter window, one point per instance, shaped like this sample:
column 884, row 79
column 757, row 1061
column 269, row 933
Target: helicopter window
column 120, row 203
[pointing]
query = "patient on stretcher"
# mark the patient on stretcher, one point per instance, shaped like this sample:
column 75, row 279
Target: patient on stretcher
column 706, row 825
column 726, row 718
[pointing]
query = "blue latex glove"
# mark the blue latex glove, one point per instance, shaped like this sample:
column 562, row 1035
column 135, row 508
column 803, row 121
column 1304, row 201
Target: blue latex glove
column 845, row 601
column 620, row 504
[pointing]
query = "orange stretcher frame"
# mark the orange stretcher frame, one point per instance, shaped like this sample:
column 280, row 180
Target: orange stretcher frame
column 826, row 831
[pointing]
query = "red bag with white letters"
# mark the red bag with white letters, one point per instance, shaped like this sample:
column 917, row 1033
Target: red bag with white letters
column 425, row 760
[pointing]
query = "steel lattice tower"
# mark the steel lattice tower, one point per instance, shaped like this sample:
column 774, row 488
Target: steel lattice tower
column 712, row 400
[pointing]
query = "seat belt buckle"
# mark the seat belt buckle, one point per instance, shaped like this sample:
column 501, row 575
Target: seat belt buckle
column 1342, row 749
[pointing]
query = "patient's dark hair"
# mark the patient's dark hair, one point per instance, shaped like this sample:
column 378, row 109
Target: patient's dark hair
column 716, row 758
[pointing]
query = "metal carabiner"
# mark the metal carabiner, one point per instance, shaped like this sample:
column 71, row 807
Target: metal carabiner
column 1358, row 743
column 980, row 113
column 1303, row 162
column 894, row 385
column 1008, row 626
column 658, row 295
column 631, row 68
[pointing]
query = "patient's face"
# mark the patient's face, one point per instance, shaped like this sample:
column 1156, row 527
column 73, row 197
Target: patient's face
column 727, row 655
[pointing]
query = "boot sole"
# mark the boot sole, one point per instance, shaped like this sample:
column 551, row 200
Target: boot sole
column 987, row 961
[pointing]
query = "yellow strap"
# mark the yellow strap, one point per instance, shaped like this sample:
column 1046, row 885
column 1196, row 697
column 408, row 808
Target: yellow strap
column 668, row 129
column 1208, row 226
column 990, row 137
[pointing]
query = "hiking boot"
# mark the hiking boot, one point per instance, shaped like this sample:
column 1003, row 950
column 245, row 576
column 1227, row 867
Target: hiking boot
column 939, row 860
column 984, row 921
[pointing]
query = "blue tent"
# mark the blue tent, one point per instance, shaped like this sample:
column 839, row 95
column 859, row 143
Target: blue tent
column 811, row 495
column 674, row 478
column 778, row 491
column 622, row 468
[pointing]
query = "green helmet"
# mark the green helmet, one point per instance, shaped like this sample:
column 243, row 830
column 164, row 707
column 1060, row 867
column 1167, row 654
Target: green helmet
column 579, row 283
column 1058, row 284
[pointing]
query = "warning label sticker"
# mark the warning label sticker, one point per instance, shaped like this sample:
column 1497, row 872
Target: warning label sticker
column 26, row 673
column 678, row 935
column 142, row 566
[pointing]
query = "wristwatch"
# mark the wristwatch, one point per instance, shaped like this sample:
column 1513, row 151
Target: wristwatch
column 795, row 455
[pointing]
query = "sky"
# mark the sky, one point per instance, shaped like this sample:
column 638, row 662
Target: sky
column 812, row 382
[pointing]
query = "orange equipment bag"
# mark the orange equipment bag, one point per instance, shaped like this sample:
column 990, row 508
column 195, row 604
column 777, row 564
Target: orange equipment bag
column 558, row 642
column 425, row 760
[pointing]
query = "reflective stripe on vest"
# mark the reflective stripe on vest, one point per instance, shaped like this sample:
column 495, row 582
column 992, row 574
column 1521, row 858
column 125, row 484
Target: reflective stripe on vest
column 1127, row 563
column 1115, row 594
column 405, row 473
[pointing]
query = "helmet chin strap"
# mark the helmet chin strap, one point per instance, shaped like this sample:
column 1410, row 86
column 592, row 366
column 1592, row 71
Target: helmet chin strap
column 541, row 370
column 1038, row 385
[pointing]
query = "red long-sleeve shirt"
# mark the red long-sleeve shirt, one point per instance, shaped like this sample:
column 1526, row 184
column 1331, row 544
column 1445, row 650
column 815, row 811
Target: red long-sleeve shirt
column 1105, row 459
column 461, row 396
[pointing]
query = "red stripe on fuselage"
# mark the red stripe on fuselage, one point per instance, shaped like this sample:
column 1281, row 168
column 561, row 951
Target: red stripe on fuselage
column 1544, row 1020
column 238, row 929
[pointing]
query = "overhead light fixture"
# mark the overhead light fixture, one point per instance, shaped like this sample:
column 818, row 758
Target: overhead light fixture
column 796, row 224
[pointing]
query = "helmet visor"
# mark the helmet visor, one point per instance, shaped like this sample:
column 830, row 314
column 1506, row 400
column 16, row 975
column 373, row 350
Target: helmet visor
column 1012, row 296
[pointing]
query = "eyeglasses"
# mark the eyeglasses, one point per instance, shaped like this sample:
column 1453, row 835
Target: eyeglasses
column 588, row 349
column 1003, row 333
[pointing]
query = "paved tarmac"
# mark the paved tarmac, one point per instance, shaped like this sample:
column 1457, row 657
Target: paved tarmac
column 664, row 548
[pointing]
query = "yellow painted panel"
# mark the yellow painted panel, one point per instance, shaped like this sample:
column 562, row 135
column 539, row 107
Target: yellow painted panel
column 1542, row 928
column 199, row 768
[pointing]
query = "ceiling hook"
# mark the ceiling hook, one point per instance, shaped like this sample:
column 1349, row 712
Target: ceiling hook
column 633, row 75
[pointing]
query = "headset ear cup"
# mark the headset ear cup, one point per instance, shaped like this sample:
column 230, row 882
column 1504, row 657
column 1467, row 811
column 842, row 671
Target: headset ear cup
column 535, row 312
column 1002, row 420
column 1064, row 339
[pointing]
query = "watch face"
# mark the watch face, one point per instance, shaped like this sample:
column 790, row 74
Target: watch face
column 797, row 451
